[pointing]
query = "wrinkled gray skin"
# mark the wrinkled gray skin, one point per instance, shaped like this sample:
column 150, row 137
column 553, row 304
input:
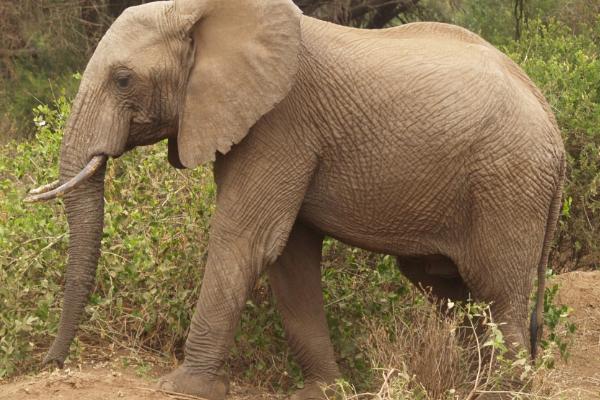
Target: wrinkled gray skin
column 421, row 141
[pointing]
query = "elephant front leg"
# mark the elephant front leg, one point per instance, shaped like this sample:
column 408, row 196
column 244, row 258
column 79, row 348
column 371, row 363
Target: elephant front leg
column 226, row 286
column 249, row 230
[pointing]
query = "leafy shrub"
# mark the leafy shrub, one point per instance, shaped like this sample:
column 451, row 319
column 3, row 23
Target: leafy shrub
column 567, row 69
column 495, row 20
column 560, row 329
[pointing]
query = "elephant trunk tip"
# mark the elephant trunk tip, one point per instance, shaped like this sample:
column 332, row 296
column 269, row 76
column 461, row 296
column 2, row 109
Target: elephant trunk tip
column 56, row 355
column 54, row 360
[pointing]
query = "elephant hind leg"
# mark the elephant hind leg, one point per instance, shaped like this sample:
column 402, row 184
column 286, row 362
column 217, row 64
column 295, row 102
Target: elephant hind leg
column 499, row 267
column 436, row 275
column 500, row 270
column 295, row 278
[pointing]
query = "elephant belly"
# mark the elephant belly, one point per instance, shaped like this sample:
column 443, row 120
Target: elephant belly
column 391, row 209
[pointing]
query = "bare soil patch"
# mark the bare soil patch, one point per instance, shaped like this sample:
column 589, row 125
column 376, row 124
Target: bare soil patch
column 579, row 376
column 103, row 382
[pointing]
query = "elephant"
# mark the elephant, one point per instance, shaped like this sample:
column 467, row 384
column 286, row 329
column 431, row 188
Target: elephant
column 421, row 141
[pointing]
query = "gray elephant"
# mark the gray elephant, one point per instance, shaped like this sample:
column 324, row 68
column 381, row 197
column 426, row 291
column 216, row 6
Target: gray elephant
column 420, row 141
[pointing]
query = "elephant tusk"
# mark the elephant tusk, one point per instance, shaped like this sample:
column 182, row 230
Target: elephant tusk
column 53, row 192
column 45, row 188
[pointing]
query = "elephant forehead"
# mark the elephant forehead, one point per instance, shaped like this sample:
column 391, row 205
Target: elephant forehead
column 138, row 38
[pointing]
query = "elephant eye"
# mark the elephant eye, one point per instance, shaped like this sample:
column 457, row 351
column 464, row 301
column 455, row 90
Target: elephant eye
column 123, row 78
column 123, row 82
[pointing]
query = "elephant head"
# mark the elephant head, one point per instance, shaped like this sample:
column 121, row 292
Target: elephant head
column 199, row 73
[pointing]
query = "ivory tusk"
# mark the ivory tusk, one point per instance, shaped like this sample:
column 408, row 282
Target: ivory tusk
column 89, row 170
column 45, row 188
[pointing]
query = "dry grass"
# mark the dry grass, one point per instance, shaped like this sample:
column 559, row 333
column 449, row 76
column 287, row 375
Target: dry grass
column 431, row 352
column 437, row 352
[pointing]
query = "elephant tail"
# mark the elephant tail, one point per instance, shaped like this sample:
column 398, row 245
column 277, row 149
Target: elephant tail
column 537, row 316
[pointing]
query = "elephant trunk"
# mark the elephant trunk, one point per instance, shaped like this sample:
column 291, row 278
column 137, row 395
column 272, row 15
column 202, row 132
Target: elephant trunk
column 85, row 214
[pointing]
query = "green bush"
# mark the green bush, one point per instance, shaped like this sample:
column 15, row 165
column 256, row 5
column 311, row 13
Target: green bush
column 566, row 67
column 495, row 20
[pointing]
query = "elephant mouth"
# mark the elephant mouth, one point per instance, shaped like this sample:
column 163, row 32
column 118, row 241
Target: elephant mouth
column 55, row 189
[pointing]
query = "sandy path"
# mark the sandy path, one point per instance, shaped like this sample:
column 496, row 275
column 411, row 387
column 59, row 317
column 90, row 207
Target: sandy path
column 101, row 383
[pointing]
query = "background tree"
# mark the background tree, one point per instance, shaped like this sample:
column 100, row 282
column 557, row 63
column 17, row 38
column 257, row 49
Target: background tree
column 519, row 17
column 360, row 13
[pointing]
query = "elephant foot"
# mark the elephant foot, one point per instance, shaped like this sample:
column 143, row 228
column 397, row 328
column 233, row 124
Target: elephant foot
column 312, row 391
column 184, row 381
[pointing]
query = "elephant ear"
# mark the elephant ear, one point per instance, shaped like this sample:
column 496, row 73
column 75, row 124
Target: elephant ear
column 245, row 60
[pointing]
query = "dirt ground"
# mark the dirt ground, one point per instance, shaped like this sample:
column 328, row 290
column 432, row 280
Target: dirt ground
column 103, row 382
column 577, row 379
